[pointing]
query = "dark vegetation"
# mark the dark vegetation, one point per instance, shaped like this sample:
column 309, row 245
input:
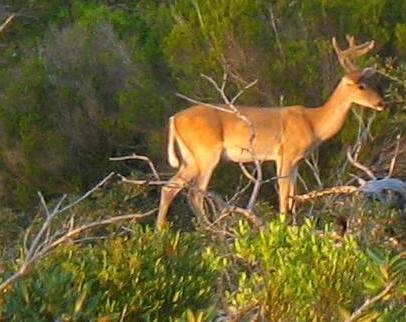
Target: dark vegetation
column 81, row 81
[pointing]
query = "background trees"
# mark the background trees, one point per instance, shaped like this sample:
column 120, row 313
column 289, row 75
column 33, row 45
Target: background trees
column 83, row 80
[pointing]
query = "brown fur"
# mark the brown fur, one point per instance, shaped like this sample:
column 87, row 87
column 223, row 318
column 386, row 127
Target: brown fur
column 204, row 135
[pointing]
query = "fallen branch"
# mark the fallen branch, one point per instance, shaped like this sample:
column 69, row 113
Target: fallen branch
column 369, row 302
column 326, row 192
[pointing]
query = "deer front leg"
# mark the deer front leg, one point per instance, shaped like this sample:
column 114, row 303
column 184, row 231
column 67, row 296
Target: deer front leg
column 286, row 171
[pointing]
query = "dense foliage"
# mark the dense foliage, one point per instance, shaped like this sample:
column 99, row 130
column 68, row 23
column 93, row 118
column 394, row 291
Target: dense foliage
column 144, row 277
column 289, row 273
column 83, row 80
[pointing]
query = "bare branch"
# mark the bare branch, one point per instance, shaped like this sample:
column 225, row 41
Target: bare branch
column 275, row 29
column 369, row 302
column 30, row 260
column 148, row 182
column 7, row 22
column 234, row 99
column 395, row 155
column 87, row 194
column 312, row 164
column 360, row 166
column 330, row 191
column 257, row 186
column 217, row 107
column 220, row 89
column 43, row 238
column 139, row 157
column 246, row 173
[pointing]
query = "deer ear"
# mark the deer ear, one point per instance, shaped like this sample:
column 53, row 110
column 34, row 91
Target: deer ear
column 367, row 73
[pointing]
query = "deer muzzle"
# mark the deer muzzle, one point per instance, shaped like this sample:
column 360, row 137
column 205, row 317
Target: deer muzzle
column 380, row 106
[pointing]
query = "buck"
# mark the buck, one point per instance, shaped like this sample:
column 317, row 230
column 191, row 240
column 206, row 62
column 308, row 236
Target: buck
column 205, row 135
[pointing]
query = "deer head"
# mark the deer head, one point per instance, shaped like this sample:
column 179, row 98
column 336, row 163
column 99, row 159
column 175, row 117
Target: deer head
column 354, row 79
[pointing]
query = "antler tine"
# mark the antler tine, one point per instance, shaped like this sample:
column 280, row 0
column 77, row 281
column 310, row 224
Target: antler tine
column 346, row 56
column 351, row 40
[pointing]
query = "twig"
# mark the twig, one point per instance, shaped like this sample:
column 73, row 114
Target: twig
column 148, row 182
column 217, row 107
column 43, row 241
column 7, row 22
column 50, row 246
column 360, row 166
column 369, row 302
column 275, row 29
column 312, row 164
column 234, row 99
column 87, row 194
column 139, row 157
column 392, row 78
column 395, row 155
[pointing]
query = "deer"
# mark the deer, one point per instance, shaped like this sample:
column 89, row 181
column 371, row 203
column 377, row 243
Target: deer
column 204, row 135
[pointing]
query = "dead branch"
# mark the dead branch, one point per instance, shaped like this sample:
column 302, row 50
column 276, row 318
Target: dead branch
column 326, row 192
column 139, row 157
column 369, row 302
column 313, row 165
column 45, row 240
column 7, row 23
column 360, row 166
column 395, row 155
column 191, row 100
column 275, row 29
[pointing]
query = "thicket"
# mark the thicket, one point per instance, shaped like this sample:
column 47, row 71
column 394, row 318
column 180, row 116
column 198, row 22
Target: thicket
column 287, row 273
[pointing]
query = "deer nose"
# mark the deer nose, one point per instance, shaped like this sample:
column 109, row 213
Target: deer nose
column 380, row 105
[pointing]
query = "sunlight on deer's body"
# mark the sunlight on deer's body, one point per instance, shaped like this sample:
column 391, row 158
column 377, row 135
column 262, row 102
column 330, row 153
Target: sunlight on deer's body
column 205, row 135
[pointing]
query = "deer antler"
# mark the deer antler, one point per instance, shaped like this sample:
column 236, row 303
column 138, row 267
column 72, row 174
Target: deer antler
column 346, row 56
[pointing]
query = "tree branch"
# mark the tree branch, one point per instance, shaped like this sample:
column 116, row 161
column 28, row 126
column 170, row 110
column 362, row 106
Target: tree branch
column 369, row 302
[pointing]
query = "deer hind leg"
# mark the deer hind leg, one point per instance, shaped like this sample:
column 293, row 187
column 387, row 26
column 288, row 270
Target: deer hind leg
column 202, row 181
column 185, row 174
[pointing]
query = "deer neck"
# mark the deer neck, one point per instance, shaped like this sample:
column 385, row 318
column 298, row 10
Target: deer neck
column 329, row 119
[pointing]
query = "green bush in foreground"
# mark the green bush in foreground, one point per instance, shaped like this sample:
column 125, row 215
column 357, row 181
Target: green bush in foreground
column 146, row 277
column 287, row 273
column 301, row 274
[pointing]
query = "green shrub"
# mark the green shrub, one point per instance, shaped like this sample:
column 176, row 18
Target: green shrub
column 147, row 276
column 300, row 274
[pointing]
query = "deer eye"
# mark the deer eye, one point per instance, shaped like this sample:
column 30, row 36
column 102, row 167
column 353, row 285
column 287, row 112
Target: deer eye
column 361, row 86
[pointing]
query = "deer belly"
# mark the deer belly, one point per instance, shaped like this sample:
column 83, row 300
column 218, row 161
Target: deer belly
column 242, row 155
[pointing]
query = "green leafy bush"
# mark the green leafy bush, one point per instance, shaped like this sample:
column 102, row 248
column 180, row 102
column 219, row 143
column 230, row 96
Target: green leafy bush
column 146, row 276
column 301, row 274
